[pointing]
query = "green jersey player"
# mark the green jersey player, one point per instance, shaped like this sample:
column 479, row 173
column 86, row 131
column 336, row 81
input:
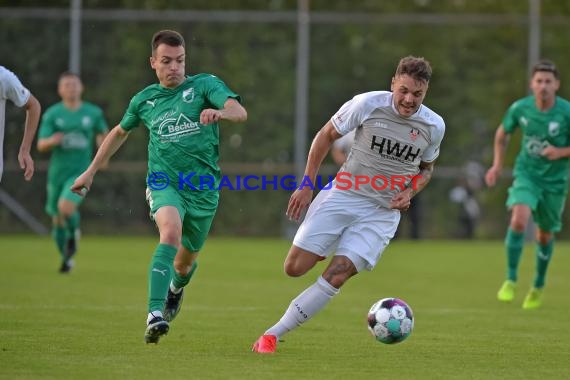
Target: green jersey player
column 540, row 175
column 181, row 114
column 69, row 130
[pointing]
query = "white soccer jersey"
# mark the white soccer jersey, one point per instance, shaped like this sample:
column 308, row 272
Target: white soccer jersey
column 388, row 148
column 10, row 88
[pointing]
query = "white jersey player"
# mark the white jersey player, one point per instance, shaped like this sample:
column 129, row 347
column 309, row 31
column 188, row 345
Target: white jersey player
column 12, row 89
column 396, row 143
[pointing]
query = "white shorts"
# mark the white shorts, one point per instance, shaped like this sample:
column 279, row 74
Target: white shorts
column 348, row 224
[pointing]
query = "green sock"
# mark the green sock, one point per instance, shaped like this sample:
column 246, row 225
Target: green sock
column 58, row 235
column 543, row 257
column 514, row 243
column 72, row 223
column 179, row 281
column 159, row 273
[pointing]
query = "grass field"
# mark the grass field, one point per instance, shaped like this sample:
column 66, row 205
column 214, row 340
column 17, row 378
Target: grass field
column 90, row 324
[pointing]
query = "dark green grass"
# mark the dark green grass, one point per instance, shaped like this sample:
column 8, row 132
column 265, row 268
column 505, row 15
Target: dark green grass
column 90, row 324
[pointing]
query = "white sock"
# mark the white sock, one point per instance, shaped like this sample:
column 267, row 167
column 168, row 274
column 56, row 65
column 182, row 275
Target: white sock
column 153, row 314
column 173, row 289
column 302, row 308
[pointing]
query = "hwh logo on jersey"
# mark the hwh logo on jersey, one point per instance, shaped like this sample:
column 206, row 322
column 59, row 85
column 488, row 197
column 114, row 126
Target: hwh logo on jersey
column 385, row 146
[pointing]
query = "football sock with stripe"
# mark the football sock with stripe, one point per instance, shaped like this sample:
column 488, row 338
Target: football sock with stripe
column 159, row 274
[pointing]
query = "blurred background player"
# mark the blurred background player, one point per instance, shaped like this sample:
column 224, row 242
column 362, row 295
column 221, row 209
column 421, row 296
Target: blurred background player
column 69, row 130
column 354, row 226
column 341, row 148
column 540, row 175
column 12, row 89
column 182, row 114
column 464, row 194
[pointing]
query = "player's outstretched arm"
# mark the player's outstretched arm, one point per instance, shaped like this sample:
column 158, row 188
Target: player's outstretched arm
column 110, row 145
column 33, row 110
column 499, row 148
column 232, row 111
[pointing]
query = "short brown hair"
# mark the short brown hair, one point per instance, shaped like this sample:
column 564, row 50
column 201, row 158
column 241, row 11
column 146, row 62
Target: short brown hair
column 547, row 66
column 66, row 74
column 416, row 67
column 168, row 37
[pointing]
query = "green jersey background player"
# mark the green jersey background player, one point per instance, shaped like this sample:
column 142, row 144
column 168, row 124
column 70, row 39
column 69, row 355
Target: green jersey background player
column 69, row 130
column 181, row 114
column 540, row 175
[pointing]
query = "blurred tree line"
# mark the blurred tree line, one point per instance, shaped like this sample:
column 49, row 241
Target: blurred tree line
column 478, row 50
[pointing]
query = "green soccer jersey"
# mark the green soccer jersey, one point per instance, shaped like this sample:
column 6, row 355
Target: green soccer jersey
column 181, row 148
column 540, row 129
column 80, row 127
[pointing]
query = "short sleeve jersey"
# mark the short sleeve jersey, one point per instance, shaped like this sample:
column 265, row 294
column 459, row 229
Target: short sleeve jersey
column 179, row 146
column 388, row 148
column 80, row 127
column 539, row 130
column 10, row 89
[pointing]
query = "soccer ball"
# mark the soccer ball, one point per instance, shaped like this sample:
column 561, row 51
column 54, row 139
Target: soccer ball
column 390, row 320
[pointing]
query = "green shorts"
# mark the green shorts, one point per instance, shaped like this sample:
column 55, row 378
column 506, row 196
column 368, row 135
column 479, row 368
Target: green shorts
column 547, row 206
column 59, row 190
column 196, row 216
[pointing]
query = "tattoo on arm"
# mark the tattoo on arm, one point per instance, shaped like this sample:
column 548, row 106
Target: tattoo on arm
column 425, row 174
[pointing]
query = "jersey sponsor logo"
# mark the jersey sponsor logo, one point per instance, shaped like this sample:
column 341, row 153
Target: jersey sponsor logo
column 74, row 140
column 188, row 95
column 172, row 129
column 553, row 128
column 394, row 150
column 523, row 121
column 151, row 102
column 379, row 124
column 535, row 145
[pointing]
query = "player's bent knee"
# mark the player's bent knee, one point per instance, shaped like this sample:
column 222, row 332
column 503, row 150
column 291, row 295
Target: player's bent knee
column 299, row 261
column 518, row 225
column 294, row 269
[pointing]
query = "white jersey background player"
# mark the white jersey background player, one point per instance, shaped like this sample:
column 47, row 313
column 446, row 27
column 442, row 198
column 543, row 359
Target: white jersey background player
column 395, row 146
column 12, row 89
